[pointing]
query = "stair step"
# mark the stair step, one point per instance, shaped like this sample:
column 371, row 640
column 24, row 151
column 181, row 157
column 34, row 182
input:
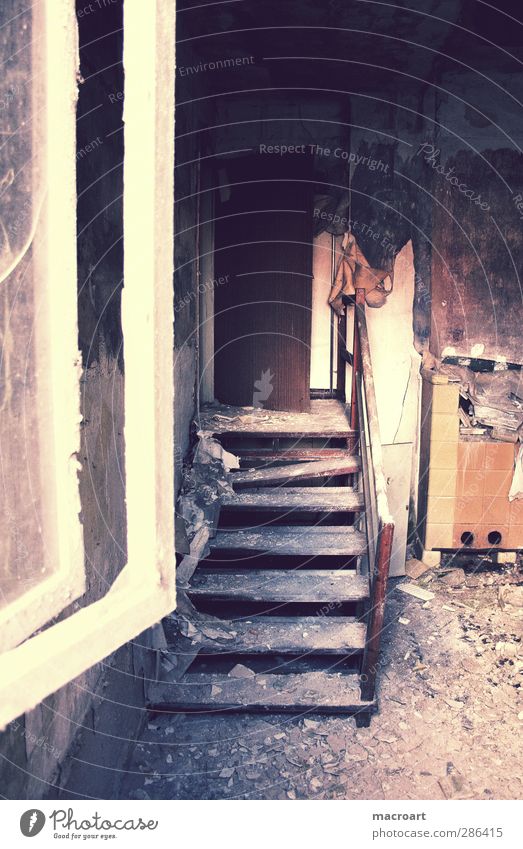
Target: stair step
column 298, row 635
column 298, row 471
column 319, row 541
column 327, row 418
column 311, row 691
column 275, row 586
column 302, row 499
column 290, row 454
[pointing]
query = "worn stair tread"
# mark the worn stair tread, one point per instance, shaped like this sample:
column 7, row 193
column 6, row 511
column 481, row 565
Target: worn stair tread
column 326, row 418
column 306, row 455
column 306, row 499
column 321, row 541
column 275, row 586
column 297, row 635
column 297, row 471
column 321, row 691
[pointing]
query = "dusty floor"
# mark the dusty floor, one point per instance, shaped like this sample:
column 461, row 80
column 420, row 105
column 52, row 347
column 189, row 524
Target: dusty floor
column 450, row 720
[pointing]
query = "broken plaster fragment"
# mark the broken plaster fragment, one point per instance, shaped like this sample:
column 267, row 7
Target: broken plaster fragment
column 454, row 786
column 506, row 649
column 216, row 633
column 241, row 671
column 227, row 772
column 415, row 591
column 477, row 349
column 453, row 578
column 415, row 568
column 189, row 629
column 209, row 449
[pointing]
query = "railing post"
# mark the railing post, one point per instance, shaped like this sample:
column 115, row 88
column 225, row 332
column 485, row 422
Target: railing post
column 382, row 544
column 369, row 667
column 356, row 360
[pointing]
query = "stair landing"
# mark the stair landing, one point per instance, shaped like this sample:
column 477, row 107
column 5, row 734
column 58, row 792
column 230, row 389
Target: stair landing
column 327, row 418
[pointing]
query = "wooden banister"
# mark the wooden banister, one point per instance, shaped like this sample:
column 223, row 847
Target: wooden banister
column 356, row 363
column 379, row 523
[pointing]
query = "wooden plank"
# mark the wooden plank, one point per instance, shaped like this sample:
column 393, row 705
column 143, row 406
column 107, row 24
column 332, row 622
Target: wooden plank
column 327, row 419
column 300, row 471
column 320, row 691
column 305, row 454
column 318, row 541
column 302, row 499
column 298, row 635
column 298, row 433
column 311, row 586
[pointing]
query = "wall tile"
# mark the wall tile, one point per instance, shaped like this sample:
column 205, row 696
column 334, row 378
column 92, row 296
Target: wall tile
column 495, row 511
column 515, row 511
column 440, row 510
column 444, row 427
column 470, row 482
column 438, row 536
column 499, row 455
column 469, row 508
column 443, row 455
column 442, row 482
column 483, row 532
column 497, row 482
column 471, row 455
column 445, row 398
column 466, row 528
column 515, row 537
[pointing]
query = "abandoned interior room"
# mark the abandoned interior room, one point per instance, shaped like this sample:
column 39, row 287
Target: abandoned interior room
column 262, row 408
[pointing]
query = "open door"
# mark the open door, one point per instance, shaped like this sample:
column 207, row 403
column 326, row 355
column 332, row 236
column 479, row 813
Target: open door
column 263, row 252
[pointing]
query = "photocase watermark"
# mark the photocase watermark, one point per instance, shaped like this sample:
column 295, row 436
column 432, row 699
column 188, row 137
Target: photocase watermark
column 40, row 742
column 94, row 144
column 431, row 155
column 65, row 825
column 95, row 6
column 32, row 822
column 65, row 820
column 518, row 203
column 317, row 150
column 115, row 96
column 7, row 98
column 18, row 222
column 328, row 608
column 19, row 546
column 357, row 228
column 200, row 290
column 263, row 389
column 216, row 65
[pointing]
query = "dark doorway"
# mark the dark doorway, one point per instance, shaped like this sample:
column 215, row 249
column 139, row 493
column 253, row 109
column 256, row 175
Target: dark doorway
column 263, row 250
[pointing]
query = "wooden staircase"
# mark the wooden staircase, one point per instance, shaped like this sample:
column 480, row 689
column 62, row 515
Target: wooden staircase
column 298, row 566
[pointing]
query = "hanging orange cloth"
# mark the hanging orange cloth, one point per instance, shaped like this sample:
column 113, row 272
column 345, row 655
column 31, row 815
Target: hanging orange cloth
column 353, row 273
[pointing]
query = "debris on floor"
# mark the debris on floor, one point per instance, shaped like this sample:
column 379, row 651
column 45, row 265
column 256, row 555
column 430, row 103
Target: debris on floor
column 451, row 693
column 454, row 577
column 417, row 592
column 205, row 482
column 415, row 568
